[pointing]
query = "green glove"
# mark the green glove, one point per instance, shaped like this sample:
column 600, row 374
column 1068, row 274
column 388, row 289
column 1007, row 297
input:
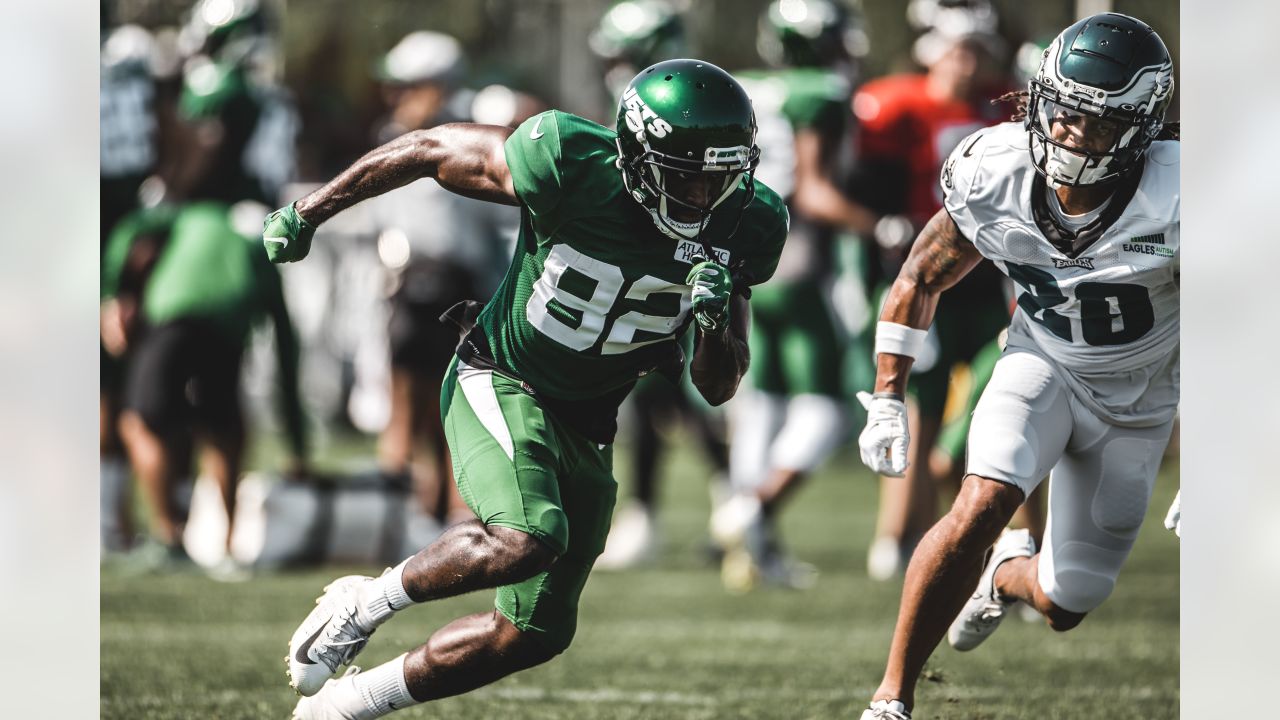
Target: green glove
column 286, row 235
column 712, row 286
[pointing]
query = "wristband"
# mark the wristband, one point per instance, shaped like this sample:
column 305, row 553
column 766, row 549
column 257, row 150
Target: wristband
column 898, row 339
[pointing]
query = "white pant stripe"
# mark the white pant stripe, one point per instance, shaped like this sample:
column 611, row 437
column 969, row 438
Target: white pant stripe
column 477, row 387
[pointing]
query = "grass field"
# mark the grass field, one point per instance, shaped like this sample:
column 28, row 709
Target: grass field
column 668, row 642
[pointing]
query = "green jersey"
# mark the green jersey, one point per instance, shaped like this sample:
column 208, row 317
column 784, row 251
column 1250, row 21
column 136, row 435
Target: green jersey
column 206, row 268
column 786, row 102
column 595, row 295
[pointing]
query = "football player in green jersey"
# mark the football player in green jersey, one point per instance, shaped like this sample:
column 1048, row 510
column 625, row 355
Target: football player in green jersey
column 182, row 287
column 794, row 415
column 631, row 36
column 627, row 238
column 238, row 124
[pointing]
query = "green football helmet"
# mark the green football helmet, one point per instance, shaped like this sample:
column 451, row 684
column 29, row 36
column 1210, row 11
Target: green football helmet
column 1108, row 78
column 810, row 33
column 686, row 140
column 226, row 30
column 635, row 34
column 639, row 32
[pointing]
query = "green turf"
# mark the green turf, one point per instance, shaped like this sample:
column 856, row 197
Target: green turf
column 668, row 642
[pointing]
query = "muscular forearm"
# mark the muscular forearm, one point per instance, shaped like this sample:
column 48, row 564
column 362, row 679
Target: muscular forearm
column 939, row 258
column 907, row 304
column 407, row 158
column 719, row 362
column 464, row 158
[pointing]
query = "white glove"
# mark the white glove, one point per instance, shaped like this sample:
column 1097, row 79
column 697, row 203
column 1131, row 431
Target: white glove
column 1173, row 521
column 884, row 440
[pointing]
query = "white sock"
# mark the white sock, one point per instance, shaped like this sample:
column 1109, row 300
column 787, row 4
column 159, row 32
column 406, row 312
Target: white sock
column 384, row 688
column 382, row 597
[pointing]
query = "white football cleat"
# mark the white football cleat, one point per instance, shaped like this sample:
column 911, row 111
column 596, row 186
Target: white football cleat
column 730, row 521
column 982, row 614
column 329, row 638
column 338, row 699
column 886, row 710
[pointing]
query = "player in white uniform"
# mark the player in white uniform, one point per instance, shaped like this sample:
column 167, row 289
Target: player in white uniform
column 1086, row 223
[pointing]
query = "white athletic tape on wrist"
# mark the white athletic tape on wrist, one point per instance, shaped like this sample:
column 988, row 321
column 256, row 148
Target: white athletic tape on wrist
column 899, row 339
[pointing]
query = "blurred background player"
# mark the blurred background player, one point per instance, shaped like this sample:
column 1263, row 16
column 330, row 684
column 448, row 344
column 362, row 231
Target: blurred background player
column 907, row 125
column 183, row 282
column 631, row 36
column 238, row 124
column 182, row 287
column 437, row 249
column 126, row 120
column 793, row 416
column 127, row 142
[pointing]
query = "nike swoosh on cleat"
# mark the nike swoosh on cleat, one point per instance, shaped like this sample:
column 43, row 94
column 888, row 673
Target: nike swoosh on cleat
column 282, row 242
column 534, row 134
column 301, row 654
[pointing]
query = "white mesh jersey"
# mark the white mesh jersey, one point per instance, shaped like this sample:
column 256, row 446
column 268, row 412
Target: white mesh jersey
column 1107, row 313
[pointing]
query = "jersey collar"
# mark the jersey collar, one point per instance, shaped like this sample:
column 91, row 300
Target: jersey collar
column 1062, row 238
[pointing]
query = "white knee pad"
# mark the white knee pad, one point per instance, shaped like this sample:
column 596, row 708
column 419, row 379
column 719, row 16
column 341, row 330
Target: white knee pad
column 813, row 429
column 1128, row 477
column 1021, row 424
column 1098, row 497
column 1078, row 577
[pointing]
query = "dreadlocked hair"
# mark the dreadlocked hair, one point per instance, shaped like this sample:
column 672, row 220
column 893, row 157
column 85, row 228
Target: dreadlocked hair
column 1021, row 99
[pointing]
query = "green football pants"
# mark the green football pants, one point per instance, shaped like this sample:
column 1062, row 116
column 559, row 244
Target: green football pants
column 518, row 467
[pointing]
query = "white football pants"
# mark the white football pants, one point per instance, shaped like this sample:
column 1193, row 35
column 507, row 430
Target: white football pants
column 777, row 432
column 1028, row 424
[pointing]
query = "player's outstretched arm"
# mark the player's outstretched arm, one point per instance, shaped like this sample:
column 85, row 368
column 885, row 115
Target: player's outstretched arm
column 720, row 359
column 940, row 257
column 465, row 158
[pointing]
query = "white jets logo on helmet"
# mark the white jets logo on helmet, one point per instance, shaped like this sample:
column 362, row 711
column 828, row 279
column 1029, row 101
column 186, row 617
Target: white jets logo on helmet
column 638, row 113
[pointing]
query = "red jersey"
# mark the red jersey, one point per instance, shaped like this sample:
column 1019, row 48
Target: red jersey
column 899, row 123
